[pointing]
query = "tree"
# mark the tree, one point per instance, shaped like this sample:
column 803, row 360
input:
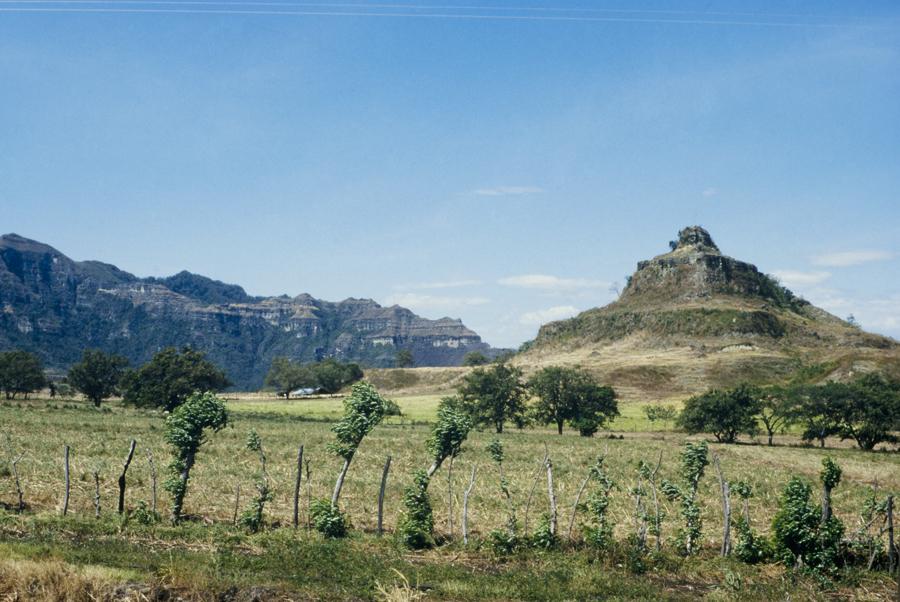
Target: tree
column 404, row 359
column 286, row 376
column 186, row 430
column 725, row 414
column 777, row 409
column 171, row 377
column 664, row 413
column 475, row 358
column 97, row 375
column 21, row 372
column 868, row 411
column 363, row 411
column 331, row 375
column 571, row 395
column 816, row 412
column 495, row 396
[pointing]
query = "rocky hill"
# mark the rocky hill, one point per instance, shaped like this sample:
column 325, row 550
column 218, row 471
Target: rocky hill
column 694, row 318
column 56, row 307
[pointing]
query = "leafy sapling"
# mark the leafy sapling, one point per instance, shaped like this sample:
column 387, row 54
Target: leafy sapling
column 446, row 440
column 654, row 517
column 694, row 460
column 751, row 547
column 252, row 517
column 186, row 429
column 599, row 530
column 363, row 410
column 503, row 541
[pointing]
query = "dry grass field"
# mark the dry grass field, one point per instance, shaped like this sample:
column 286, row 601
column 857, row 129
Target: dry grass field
column 40, row 428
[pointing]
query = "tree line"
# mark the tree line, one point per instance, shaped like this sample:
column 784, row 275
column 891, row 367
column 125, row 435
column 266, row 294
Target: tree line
column 866, row 410
column 166, row 381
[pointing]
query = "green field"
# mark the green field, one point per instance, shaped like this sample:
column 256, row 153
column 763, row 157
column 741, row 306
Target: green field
column 209, row 554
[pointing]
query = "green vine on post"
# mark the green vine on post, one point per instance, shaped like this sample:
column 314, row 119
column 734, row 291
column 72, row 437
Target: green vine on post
column 186, row 429
column 694, row 460
column 252, row 517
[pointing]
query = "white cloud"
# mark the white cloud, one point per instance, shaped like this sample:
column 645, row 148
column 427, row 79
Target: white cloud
column 438, row 285
column 508, row 191
column 418, row 302
column 710, row 192
column 849, row 258
column 551, row 283
column 793, row 278
column 537, row 318
column 874, row 314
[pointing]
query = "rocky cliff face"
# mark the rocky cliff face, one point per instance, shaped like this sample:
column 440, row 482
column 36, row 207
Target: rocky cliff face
column 695, row 269
column 57, row 307
column 693, row 318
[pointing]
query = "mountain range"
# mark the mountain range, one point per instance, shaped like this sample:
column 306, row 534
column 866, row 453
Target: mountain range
column 56, row 307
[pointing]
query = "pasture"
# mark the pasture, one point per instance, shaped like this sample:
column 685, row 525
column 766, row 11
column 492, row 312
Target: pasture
column 39, row 429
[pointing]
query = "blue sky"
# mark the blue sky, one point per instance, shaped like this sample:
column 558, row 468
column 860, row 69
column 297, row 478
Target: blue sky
column 503, row 164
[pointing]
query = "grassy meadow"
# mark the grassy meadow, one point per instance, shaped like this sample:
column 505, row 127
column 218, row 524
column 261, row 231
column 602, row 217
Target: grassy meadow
column 219, row 555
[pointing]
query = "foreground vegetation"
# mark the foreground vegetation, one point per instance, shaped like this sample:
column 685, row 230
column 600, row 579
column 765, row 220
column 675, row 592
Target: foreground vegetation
column 207, row 553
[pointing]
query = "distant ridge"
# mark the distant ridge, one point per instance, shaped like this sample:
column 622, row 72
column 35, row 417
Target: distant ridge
column 56, row 307
column 694, row 318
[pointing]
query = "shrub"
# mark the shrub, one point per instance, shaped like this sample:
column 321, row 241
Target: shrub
column 392, row 408
column 598, row 532
column 543, row 537
column 502, row 543
column 694, row 459
column 252, row 517
column 327, row 519
column 750, row 547
column 800, row 535
column 417, row 525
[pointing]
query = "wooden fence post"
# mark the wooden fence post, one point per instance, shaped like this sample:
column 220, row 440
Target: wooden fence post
column 20, row 507
column 237, row 503
column 122, row 476
column 465, row 512
column 152, row 481
column 65, row 508
column 450, row 498
column 534, row 484
column 893, row 555
column 297, row 487
column 575, row 506
column 308, row 496
column 96, row 494
column 552, row 494
column 726, row 509
column 384, row 476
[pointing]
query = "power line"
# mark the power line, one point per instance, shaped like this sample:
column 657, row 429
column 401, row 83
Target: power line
column 460, row 7
column 216, row 10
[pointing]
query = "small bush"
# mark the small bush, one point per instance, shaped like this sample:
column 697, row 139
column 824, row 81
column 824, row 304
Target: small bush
column 392, row 408
column 417, row 525
column 142, row 514
column 502, row 542
column 328, row 520
column 543, row 537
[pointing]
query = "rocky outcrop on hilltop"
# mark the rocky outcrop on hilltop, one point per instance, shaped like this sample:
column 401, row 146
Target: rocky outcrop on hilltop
column 693, row 318
column 57, row 307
